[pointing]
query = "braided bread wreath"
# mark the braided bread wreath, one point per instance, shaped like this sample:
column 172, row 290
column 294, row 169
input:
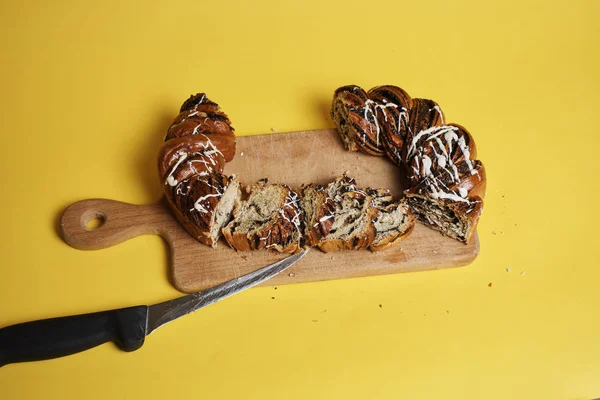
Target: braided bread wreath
column 447, row 182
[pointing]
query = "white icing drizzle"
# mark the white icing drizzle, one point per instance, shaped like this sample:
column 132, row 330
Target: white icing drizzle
column 170, row 180
column 374, row 114
column 447, row 139
column 426, row 165
column 266, row 237
column 437, row 108
column 291, row 201
column 323, row 219
column 402, row 116
column 199, row 207
column 442, row 129
column 417, row 168
column 437, row 193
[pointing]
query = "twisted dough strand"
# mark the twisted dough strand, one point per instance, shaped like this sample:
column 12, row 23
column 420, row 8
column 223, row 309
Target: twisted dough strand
column 197, row 145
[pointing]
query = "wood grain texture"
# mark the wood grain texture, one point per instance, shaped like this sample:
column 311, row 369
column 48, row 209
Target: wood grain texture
column 293, row 158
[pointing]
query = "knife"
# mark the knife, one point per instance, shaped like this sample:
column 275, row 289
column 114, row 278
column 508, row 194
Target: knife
column 127, row 327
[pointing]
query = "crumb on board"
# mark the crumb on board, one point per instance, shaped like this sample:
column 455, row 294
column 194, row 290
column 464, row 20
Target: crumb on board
column 272, row 297
column 315, row 320
column 245, row 258
column 274, row 130
column 242, row 153
column 502, row 232
column 507, row 269
column 493, row 232
column 275, row 288
column 324, row 311
column 291, row 274
column 523, row 272
column 380, row 306
column 490, row 284
column 447, row 311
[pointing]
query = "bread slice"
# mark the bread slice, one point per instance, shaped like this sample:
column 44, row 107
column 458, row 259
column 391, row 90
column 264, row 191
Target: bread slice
column 394, row 221
column 270, row 218
column 450, row 206
column 203, row 204
column 318, row 209
column 352, row 227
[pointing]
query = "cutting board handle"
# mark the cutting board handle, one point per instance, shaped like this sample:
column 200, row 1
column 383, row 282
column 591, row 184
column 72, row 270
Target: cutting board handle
column 95, row 224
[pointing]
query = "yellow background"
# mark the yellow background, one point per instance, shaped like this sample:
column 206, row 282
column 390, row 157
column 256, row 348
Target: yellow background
column 89, row 88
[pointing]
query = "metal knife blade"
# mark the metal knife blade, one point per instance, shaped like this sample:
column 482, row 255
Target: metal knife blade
column 163, row 313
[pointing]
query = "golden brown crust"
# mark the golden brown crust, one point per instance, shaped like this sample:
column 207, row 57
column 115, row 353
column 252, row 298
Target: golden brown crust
column 346, row 197
column 440, row 158
column 194, row 202
column 394, row 240
column 360, row 242
column 356, row 120
column 393, row 119
column 400, row 220
column 190, row 164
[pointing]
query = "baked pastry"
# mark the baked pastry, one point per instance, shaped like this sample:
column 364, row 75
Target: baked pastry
column 362, row 219
column 393, row 118
column 340, row 216
column 190, row 165
column 394, row 221
column 352, row 227
column 447, row 181
column 270, row 218
column 318, row 209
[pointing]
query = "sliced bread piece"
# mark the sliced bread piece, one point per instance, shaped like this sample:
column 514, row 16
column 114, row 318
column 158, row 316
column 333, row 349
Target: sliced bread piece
column 352, row 227
column 448, row 205
column 318, row 209
column 394, row 221
column 270, row 218
column 203, row 204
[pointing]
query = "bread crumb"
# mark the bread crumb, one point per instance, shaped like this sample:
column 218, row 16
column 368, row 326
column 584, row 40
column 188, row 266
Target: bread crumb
column 346, row 172
column 274, row 130
column 493, row 232
column 502, row 232
column 291, row 274
column 380, row 306
column 522, row 272
column 490, row 284
column 324, row 311
column 275, row 288
column 315, row 320
column 242, row 153
column 272, row 298
column 507, row 269
column 447, row 311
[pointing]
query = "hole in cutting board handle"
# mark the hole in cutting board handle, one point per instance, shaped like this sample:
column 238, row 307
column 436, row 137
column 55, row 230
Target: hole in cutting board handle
column 92, row 220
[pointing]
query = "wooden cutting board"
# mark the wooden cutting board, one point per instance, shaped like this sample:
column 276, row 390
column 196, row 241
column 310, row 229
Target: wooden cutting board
column 293, row 158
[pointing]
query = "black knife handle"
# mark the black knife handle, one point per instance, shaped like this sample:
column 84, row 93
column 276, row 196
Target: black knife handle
column 58, row 337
